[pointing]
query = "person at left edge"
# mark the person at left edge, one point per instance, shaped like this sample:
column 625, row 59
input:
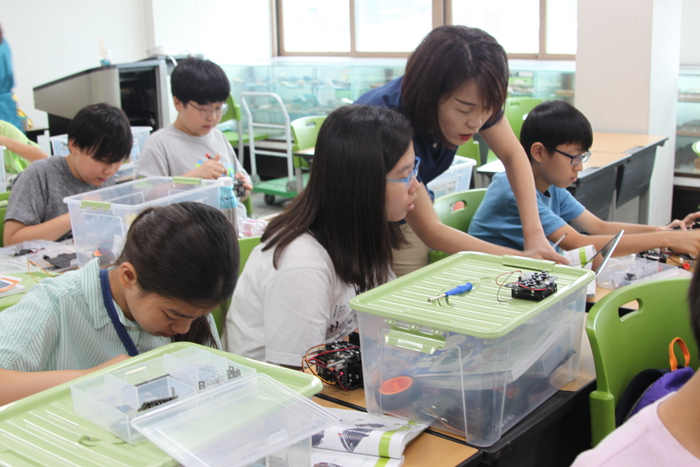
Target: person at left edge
column 8, row 107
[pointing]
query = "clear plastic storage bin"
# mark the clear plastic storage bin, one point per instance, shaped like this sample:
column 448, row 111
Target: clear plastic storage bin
column 478, row 364
column 631, row 269
column 455, row 179
column 59, row 145
column 140, row 134
column 45, row 430
column 113, row 400
column 252, row 420
column 100, row 219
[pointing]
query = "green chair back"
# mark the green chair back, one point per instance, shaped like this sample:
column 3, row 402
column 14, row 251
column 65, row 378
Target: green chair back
column 470, row 149
column 456, row 210
column 245, row 247
column 517, row 109
column 304, row 134
column 624, row 346
column 233, row 112
column 452, row 214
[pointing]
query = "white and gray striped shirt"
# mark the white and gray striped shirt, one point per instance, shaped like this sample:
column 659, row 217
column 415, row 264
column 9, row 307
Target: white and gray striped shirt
column 62, row 324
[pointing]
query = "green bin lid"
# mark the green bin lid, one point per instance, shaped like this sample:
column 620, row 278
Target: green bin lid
column 487, row 311
column 43, row 429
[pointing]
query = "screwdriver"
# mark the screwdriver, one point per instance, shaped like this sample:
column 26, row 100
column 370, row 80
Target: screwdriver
column 460, row 289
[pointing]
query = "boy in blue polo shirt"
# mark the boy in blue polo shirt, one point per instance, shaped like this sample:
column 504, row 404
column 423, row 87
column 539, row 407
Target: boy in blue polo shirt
column 556, row 137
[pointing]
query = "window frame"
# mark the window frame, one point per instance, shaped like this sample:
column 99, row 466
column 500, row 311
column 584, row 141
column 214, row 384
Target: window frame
column 442, row 14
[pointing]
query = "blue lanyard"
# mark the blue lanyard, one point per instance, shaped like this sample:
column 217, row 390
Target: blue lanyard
column 112, row 312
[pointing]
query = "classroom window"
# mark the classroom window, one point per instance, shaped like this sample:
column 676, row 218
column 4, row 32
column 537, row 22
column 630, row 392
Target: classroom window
column 353, row 27
column 514, row 23
column 562, row 22
column 391, row 25
column 312, row 26
column 544, row 29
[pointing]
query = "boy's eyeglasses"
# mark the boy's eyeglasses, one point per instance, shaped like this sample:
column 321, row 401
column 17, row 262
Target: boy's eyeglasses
column 206, row 113
column 575, row 160
column 408, row 180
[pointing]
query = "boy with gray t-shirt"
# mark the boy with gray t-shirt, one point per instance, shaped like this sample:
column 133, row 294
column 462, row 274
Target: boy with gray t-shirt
column 192, row 146
column 99, row 139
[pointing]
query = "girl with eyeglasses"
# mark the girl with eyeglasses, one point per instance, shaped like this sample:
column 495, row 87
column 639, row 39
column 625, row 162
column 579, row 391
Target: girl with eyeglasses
column 335, row 240
column 455, row 86
column 332, row 242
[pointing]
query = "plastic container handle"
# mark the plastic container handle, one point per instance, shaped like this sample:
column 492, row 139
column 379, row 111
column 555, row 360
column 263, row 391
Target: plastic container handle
column 92, row 204
column 187, row 180
column 415, row 342
column 528, row 263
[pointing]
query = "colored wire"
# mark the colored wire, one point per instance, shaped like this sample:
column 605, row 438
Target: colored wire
column 313, row 360
column 505, row 284
column 29, row 261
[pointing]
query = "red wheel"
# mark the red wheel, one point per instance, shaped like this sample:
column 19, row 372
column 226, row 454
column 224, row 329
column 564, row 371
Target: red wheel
column 397, row 393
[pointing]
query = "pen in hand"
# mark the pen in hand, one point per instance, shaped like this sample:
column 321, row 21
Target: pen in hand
column 559, row 241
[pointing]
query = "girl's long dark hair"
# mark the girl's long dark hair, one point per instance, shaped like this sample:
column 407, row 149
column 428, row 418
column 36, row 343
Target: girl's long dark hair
column 344, row 204
column 186, row 251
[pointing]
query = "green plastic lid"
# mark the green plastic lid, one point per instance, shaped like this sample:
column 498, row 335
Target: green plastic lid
column 43, row 429
column 486, row 311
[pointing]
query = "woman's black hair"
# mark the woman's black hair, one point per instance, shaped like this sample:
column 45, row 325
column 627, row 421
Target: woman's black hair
column 344, row 204
column 186, row 251
column 103, row 131
column 446, row 59
column 201, row 81
column 0, row 33
column 553, row 123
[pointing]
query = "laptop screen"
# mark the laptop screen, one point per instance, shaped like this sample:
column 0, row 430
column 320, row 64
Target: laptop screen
column 606, row 251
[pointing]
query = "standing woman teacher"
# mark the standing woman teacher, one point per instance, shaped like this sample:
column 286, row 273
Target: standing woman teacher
column 8, row 108
column 455, row 85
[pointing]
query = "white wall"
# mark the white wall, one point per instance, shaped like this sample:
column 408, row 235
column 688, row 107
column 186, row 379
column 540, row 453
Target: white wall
column 690, row 33
column 50, row 39
column 627, row 78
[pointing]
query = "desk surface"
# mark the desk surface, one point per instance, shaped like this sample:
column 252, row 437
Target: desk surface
column 426, row 449
column 27, row 281
column 597, row 160
column 623, row 142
